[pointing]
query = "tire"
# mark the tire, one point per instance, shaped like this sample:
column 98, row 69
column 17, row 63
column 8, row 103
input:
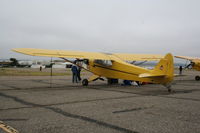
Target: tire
column 85, row 82
column 169, row 90
column 197, row 78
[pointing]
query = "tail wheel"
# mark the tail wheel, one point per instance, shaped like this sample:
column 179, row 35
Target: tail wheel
column 168, row 86
column 85, row 82
column 197, row 78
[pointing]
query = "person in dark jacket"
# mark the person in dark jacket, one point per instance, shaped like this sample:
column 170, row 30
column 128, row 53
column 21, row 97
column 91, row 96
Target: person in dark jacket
column 74, row 70
column 180, row 70
column 40, row 68
column 79, row 74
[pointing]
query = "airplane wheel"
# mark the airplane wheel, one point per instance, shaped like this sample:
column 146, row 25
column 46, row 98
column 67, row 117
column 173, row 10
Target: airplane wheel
column 197, row 78
column 169, row 90
column 85, row 82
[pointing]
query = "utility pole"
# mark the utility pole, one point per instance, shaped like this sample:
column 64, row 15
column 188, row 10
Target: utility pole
column 51, row 73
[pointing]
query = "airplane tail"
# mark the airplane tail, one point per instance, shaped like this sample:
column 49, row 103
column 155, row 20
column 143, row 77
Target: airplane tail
column 163, row 72
column 165, row 66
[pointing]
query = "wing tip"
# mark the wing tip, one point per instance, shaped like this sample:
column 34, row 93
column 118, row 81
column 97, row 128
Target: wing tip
column 15, row 49
column 26, row 51
column 19, row 50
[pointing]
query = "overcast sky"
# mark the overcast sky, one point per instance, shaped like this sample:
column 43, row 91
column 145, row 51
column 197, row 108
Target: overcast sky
column 123, row 26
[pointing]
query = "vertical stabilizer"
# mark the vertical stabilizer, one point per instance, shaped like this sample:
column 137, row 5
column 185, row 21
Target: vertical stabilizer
column 166, row 67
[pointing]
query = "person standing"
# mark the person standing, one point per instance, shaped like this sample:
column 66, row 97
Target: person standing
column 79, row 73
column 40, row 68
column 74, row 74
column 180, row 70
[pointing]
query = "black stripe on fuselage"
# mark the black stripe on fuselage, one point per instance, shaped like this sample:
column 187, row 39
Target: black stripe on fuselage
column 114, row 69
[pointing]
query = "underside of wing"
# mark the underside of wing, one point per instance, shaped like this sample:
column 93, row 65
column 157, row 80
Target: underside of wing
column 186, row 57
column 139, row 57
column 62, row 53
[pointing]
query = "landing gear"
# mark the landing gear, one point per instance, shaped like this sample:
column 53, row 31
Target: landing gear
column 85, row 82
column 169, row 90
column 112, row 81
column 197, row 78
column 168, row 86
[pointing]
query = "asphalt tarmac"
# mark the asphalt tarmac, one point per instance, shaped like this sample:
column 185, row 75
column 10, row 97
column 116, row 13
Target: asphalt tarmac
column 41, row 104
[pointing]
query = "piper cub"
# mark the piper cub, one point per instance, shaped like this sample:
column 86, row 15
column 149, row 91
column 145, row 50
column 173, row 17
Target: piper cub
column 194, row 64
column 115, row 66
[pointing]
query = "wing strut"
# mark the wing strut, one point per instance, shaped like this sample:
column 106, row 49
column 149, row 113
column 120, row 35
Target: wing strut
column 76, row 64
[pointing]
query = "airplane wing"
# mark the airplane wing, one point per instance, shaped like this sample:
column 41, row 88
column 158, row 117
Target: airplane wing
column 139, row 57
column 62, row 53
column 87, row 55
column 186, row 57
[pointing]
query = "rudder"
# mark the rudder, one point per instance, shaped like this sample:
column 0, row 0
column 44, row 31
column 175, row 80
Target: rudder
column 166, row 67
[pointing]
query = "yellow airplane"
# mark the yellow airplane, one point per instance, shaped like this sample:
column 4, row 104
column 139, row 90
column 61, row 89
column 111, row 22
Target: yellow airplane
column 194, row 63
column 115, row 66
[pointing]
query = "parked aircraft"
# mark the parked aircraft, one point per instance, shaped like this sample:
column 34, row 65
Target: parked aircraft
column 194, row 63
column 115, row 66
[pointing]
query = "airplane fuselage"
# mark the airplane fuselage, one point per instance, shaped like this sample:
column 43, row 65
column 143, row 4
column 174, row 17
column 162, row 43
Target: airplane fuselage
column 196, row 65
column 122, row 70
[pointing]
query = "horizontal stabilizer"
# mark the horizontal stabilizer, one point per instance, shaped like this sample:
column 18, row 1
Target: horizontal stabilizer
column 164, row 70
column 149, row 75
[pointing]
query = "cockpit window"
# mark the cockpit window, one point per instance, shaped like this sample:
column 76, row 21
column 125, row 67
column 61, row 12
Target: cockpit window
column 103, row 62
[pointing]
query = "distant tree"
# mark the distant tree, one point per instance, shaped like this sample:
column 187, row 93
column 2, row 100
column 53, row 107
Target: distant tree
column 14, row 62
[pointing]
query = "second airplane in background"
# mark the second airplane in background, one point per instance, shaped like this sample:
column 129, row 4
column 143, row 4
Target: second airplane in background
column 194, row 64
